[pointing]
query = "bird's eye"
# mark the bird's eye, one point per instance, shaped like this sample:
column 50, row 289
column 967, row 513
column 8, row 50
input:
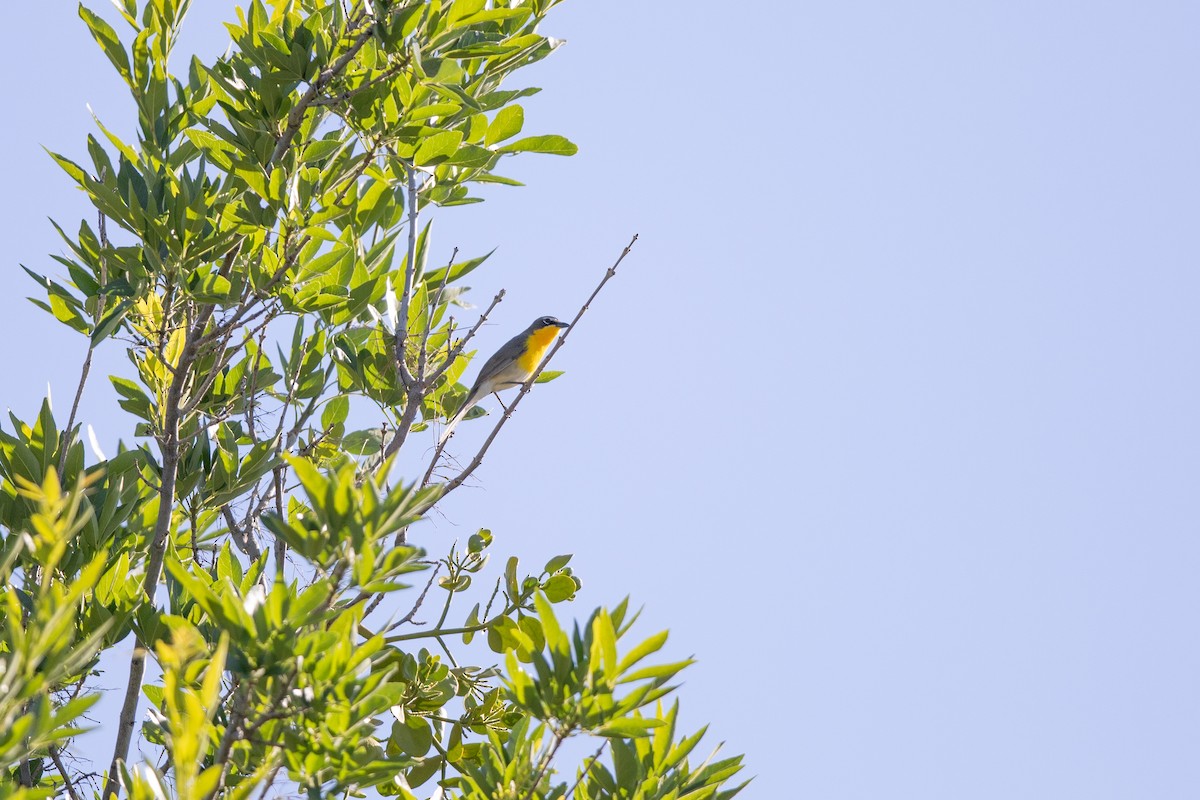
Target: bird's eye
column 547, row 321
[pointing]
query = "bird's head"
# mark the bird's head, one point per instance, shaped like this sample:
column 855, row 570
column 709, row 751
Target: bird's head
column 548, row 322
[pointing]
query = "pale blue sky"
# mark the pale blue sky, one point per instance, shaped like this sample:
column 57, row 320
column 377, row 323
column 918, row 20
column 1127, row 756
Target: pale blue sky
column 891, row 416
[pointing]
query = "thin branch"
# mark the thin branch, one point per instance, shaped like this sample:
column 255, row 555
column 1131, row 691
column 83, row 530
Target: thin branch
column 233, row 729
column 462, row 343
column 242, row 537
column 280, row 544
column 270, row 781
column 431, row 309
column 559, row 738
column 410, row 273
column 414, row 388
column 169, row 446
column 386, row 75
column 296, row 115
column 62, row 770
column 440, row 631
column 451, row 357
column 508, row 412
column 102, row 230
column 409, row 616
column 583, row 773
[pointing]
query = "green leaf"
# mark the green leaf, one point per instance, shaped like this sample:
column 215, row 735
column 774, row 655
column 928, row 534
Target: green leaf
column 548, row 375
column 336, row 411
column 437, row 147
column 461, row 9
column 557, row 563
column 320, row 150
column 552, row 144
column 606, row 639
column 455, row 271
column 106, row 37
column 628, row 727
column 559, row 588
column 510, row 578
column 508, row 123
column 363, row 443
column 412, row 735
column 651, row 645
column 662, row 672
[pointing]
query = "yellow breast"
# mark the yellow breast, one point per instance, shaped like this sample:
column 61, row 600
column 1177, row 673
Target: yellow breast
column 535, row 348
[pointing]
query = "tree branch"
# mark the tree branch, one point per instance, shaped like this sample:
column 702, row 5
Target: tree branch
column 400, row 335
column 169, row 447
column 508, row 412
column 62, row 770
column 102, row 231
column 233, row 729
column 296, row 115
column 583, row 773
column 462, row 343
column 559, row 738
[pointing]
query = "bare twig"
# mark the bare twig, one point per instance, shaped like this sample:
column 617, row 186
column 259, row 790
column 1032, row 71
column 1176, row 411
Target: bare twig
column 55, row 756
column 233, row 730
column 430, row 310
column 559, row 738
column 280, row 544
column 451, row 357
column 416, row 607
column 462, row 343
column 583, row 773
column 102, row 231
column 270, row 781
column 414, row 387
column 508, row 412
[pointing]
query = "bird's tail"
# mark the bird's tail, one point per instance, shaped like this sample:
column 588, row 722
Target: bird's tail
column 467, row 405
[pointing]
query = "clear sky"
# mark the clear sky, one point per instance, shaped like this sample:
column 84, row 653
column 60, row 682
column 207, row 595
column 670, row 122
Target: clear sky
column 891, row 416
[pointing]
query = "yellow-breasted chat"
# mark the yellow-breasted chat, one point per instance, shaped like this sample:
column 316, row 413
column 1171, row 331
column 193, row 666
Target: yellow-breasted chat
column 511, row 365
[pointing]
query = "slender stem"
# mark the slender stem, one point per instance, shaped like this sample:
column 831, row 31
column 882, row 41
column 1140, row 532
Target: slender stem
column 462, row 343
column 451, row 357
column 102, row 230
column 430, row 310
column 242, row 537
column 270, row 781
column 280, row 544
column 403, row 637
column 410, row 276
column 414, row 386
column 296, row 115
column 55, row 756
column 583, row 773
column 416, row 606
column 338, row 99
column 233, row 729
column 559, row 738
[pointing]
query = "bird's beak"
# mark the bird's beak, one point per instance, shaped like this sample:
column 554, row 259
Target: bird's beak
column 562, row 324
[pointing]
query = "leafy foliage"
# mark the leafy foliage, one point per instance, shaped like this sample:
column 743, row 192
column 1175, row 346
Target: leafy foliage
column 270, row 278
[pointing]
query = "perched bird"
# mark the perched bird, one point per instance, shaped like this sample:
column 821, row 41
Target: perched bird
column 511, row 365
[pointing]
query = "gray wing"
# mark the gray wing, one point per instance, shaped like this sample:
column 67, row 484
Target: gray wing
column 501, row 359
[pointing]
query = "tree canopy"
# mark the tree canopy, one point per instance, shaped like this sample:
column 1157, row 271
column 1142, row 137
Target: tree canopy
column 263, row 253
